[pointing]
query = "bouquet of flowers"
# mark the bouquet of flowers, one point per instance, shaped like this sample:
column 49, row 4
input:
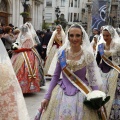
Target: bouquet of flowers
column 15, row 46
column 95, row 100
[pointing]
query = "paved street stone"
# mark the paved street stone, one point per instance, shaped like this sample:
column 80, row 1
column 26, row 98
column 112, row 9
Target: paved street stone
column 33, row 100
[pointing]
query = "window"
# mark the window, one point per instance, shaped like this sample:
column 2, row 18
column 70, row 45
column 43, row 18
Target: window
column 78, row 16
column 78, row 3
column 75, row 16
column 48, row 3
column 71, row 3
column 48, row 16
column 71, row 18
column 75, row 5
column 68, row 16
column 63, row 3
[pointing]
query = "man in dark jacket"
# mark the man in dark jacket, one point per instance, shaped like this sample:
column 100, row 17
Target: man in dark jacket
column 47, row 37
column 95, row 31
column 39, row 48
column 45, row 42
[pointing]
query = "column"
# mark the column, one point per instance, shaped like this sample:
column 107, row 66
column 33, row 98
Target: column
column 21, row 9
column 13, row 11
column 33, row 13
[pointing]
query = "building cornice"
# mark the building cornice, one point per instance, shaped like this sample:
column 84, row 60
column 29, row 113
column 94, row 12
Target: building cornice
column 38, row 2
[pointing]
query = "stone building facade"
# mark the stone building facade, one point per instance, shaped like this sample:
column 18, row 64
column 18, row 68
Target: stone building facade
column 10, row 12
column 73, row 11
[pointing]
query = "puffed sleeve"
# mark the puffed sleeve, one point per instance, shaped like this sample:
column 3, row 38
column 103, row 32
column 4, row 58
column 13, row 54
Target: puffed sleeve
column 54, row 81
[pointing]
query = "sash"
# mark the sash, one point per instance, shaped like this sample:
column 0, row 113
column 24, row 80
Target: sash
column 76, row 81
column 58, row 42
column 105, row 59
column 30, row 70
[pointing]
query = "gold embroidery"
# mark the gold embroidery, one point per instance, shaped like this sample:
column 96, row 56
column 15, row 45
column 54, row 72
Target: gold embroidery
column 75, row 65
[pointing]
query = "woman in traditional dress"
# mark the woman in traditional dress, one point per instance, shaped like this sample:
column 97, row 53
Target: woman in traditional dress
column 109, row 49
column 25, row 62
column 64, row 100
column 12, row 104
column 56, row 41
column 39, row 48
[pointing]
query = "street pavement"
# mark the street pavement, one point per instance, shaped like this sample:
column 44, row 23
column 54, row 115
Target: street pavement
column 33, row 100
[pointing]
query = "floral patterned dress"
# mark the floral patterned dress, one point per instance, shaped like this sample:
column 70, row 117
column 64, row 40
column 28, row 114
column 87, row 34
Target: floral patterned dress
column 66, row 101
column 12, row 103
column 26, row 66
column 111, row 80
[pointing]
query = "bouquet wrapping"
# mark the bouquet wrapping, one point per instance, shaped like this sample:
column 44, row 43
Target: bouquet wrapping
column 95, row 100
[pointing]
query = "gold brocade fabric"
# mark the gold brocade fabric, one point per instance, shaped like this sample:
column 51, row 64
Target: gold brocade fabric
column 50, row 113
column 76, row 65
column 18, row 63
column 112, row 88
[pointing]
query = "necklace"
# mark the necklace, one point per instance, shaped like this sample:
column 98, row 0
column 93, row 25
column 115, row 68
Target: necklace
column 107, row 47
column 75, row 54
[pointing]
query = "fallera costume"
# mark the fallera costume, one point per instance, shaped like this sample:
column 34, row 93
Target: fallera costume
column 66, row 101
column 26, row 63
column 54, row 44
column 39, row 46
column 12, row 104
column 110, row 76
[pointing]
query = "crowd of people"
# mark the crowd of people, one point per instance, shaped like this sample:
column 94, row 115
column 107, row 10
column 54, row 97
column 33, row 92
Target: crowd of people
column 76, row 63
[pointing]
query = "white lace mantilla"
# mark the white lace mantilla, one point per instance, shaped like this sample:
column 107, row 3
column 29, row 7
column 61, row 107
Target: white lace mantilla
column 114, row 52
column 12, row 104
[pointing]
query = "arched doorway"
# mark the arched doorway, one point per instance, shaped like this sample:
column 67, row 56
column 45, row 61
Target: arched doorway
column 4, row 12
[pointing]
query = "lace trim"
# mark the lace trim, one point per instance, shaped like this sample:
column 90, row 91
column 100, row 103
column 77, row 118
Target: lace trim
column 76, row 65
column 11, row 100
column 6, row 77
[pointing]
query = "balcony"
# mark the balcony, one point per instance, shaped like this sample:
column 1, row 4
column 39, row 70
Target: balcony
column 39, row 2
column 88, row 4
column 115, row 4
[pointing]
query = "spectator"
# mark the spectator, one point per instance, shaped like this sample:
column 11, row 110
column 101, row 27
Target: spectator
column 94, row 32
column 10, row 38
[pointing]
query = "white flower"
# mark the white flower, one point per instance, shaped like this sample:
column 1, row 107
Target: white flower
column 15, row 45
column 96, row 94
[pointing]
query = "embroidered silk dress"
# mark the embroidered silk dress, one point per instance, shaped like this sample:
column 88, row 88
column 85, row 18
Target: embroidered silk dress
column 26, row 66
column 12, row 103
column 66, row 101
column 111, row 80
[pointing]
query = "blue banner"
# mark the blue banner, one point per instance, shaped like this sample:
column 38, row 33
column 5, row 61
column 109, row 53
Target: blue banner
column 62, row 59
column 99, row 13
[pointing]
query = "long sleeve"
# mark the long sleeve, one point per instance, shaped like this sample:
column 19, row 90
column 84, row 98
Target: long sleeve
column 10, row 40
column 54, row 81
column 94, row 78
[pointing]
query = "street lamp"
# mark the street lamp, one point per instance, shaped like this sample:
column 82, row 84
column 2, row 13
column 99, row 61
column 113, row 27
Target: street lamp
column 25, row 5
column 57, row 13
